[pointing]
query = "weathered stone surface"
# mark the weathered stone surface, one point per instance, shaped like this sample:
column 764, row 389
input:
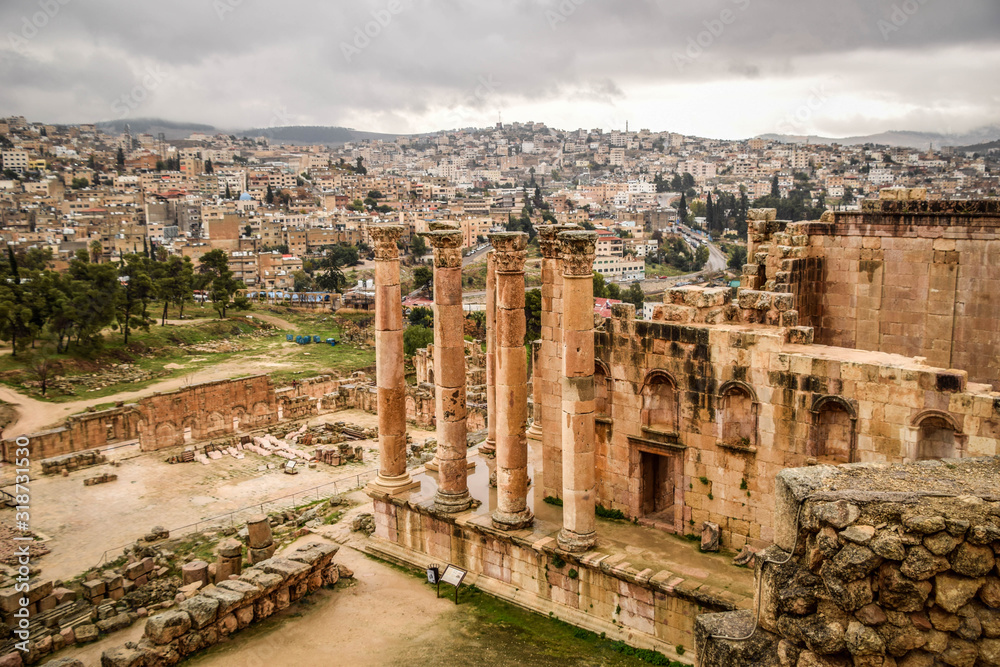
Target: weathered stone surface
column 924, row 525
column 916, row 659
column 122, row 656
column 821, row 636
column 989, row 651
column 941, row 544
column 952, row 592
column 64, row 662
column 990, row 592
column 871, row 614
column 943, row 620
column 313, row 553
column 989, row 619
column 858, row 534
column 838, row 514
column 710, row 536
column 899, row 640
column 900, row 593
column 86, row 633
column 888, row 545
column 972, row 560
column 116, row 623
column 960, row 653
column 921, row 564
column 283, row 567
column 165, row 627
column 202, row 609
column 862, row 640
column 852, row 562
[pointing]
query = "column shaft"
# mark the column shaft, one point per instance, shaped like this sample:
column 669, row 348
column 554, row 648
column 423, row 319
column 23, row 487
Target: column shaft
column 578, row 532
column 389, row 377
column 449, row 372
column 512, row 510
column 489, row 448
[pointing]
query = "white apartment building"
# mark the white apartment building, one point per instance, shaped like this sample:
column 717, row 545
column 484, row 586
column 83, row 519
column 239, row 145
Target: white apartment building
column 15, row 160
column 620, row 268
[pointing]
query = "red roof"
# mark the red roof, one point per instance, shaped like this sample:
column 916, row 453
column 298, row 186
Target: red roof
column 602, row 307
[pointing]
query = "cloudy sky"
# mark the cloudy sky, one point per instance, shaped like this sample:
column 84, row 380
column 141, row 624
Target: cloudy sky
column 718, row 68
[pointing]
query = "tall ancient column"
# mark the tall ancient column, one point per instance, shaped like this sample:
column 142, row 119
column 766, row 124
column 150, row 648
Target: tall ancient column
column 578, row 433
column 392, row 475
column 548, row 371
column 449, row 372
column 511, row 383
column 489, row 448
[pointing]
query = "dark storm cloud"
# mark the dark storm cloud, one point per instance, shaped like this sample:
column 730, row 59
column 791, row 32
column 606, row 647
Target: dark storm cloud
column 239, row 63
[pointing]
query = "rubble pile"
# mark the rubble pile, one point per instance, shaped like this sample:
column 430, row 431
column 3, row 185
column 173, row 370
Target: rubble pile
column 216, row 611
column 71, row 462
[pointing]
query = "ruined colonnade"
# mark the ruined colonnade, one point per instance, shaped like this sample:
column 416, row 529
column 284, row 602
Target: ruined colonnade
column 565, row 372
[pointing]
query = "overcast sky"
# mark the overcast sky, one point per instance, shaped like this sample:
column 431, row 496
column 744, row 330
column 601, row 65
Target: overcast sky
column 717, row 68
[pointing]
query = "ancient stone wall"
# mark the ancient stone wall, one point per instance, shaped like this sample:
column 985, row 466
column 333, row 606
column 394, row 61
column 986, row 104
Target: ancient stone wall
column 592, row 590
column 80, row 432
column 695, row 421
column 873, row 565
column 218, row 611
column 909, row 277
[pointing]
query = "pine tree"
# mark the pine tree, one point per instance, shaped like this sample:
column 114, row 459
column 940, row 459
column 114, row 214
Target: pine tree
column 775, row 190
column 682, row 210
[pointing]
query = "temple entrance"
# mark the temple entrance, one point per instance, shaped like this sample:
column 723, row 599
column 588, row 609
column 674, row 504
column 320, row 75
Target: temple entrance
column 657, row 490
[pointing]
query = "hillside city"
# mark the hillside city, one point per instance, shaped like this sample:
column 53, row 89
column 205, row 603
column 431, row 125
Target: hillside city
column 284, row 215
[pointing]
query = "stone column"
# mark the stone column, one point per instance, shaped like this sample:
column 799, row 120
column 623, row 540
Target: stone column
column 548, row 371
column 449, row 372
column 511, row 383
column 392, row 475
column 489, row 448
column 578, row 433
column 535, row 432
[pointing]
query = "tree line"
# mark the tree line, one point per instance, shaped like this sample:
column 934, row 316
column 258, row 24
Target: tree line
column 73, row 307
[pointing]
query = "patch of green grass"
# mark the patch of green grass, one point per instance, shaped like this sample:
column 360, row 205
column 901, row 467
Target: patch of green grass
column 552, row 500
column 605, row 513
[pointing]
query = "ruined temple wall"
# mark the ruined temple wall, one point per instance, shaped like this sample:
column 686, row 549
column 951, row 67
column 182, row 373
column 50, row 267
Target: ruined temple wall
column 880, row 403
column 80, row 432
column 912, row 278
column 209, row 409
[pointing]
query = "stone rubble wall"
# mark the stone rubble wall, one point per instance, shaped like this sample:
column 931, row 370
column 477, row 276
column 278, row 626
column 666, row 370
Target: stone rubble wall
column 219, row 610
column 886, row 566
column 80, row 432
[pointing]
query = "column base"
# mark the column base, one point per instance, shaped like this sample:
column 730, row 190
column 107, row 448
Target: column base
column 488, row 448
column 535, row 431
column 452, row 503
column 512, row 521
column 393, row 486
column 575, row 542
column 432, row 465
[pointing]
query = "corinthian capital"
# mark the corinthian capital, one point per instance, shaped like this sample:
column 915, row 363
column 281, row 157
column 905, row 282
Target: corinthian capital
column 509, row 247
column 548, row 241
column 447, row 244
column 578, row 249
column 385, row 238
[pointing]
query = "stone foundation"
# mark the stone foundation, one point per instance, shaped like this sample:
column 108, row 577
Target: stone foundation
column 593, row 590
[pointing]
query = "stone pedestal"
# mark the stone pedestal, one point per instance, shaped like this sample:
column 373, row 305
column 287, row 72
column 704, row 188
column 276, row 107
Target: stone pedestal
column 392, row 476
column 489, row 448
column 511, row 383
column 230, row 560
column 449, row 372
column 578, row 435
column 195, row 571
column 259, row 532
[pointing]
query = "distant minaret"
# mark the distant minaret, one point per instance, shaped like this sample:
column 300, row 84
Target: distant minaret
column 626, row 127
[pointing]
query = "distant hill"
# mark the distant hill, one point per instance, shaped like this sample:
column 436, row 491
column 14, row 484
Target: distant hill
column 170, row 129
column 313, row 134
column 920, row 140
column 979, row 148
